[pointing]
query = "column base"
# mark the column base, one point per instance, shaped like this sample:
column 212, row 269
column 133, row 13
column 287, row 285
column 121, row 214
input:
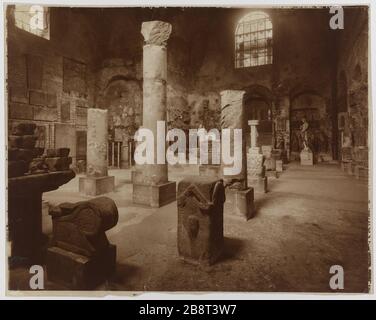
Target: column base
column 94, row 186
column 154, row 196
column 240, row 202
column 259, row 184
column 79, row 272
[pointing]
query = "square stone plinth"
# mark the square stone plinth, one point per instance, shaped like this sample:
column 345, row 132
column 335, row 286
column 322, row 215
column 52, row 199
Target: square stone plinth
column 259, row 184
column 93, row 186
column 78, row 272
column 306, row 158
column 154, row 196
column 240, row 202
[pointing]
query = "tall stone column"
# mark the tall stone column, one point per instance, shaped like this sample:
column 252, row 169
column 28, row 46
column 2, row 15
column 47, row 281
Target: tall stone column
column 97, row 180
column 239, row 198
column 150, row 183
column 255, row 162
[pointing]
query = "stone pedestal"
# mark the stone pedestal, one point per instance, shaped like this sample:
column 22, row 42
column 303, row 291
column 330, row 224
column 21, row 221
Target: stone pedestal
column 25, row 212
column 78, row 272
column 151, row 186
column 306, row 157
column 156, row 195
column 96, row 181
column 200, row 219
column 81, row 256
column 255, row 162
column 240, row 202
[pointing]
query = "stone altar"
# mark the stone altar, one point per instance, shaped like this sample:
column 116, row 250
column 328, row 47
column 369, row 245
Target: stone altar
column 255, row 162
column 81, row 257
column 200, row 219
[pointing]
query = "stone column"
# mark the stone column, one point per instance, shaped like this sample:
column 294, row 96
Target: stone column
column 239, row 198
column 255, row 161
column 151, row 185
column 96, row 181
column 254, row 135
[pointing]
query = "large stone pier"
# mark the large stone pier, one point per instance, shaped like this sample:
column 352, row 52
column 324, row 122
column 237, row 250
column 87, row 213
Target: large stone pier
column 150, row 181
column 239, row 198
column 255, row 162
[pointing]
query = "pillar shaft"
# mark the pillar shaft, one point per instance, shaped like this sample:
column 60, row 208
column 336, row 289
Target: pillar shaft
column 97, row 139
column 233, row 117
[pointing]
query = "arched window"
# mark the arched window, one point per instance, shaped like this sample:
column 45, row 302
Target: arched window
column 33, row 18
column 253, row 40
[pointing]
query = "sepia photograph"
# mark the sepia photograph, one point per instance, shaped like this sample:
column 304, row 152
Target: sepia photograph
column 195, row 149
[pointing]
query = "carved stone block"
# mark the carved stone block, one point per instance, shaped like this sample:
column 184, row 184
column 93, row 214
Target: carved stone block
column 240, row 202
column 81, row 256
column 200, row 219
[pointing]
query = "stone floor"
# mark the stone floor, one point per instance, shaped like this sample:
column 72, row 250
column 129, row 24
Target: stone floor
column 312, row 218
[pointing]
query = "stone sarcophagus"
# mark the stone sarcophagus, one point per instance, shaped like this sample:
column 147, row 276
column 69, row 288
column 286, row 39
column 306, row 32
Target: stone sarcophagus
column 200, row 219
column 81, row 256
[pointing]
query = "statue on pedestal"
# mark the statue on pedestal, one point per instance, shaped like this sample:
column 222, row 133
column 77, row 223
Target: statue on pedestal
column 306, row 156
column 304, row 133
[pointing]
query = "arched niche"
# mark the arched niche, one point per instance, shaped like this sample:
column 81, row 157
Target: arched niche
column 312, row 107
column 258, row 103
column 123, row 99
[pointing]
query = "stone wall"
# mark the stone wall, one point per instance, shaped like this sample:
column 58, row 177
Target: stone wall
column 301, row 63
column 352, row 79
column 50, row 81
column 94, row 58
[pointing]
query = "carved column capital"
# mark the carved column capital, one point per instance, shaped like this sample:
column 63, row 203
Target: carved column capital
column 156, row 32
